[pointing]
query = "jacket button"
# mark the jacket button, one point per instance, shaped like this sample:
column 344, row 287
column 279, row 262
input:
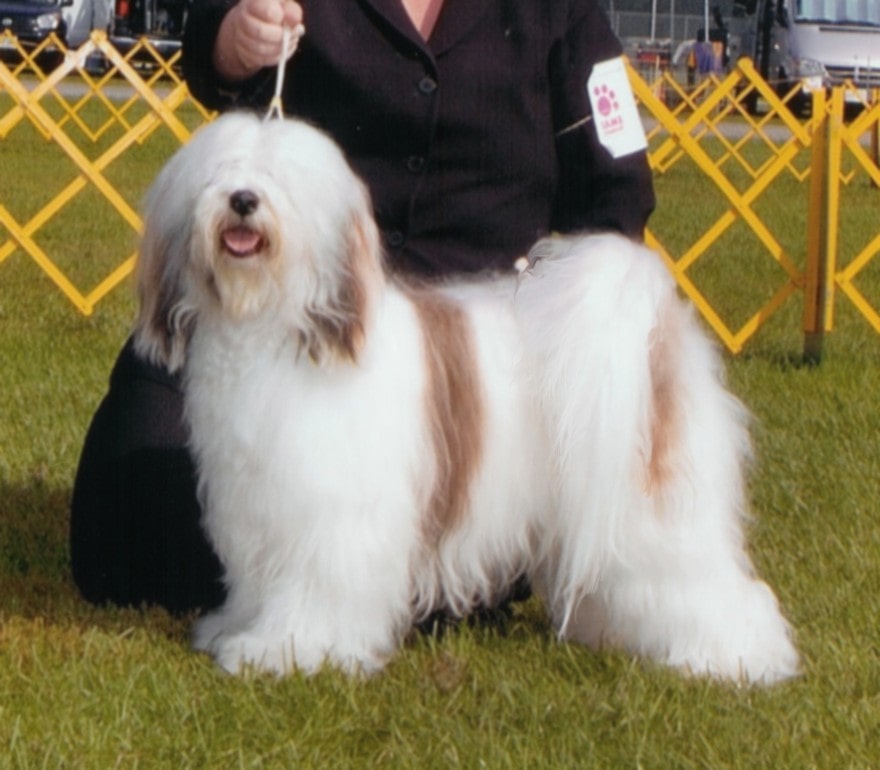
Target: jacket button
column 415, row 163
column 427, row 85
column 394, row 238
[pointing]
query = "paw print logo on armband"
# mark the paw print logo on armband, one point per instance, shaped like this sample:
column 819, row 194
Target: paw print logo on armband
column 606, row 100
column 613, row 108
column 608, row 107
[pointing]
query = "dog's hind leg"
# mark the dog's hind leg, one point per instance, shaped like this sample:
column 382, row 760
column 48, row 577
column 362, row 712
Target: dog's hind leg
column 681, row 588
column 648, row 550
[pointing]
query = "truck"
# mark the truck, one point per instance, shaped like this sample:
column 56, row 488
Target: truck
column 803, row 45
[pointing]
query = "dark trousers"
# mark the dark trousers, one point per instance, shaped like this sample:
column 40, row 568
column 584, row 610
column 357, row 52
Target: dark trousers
column 135, row 536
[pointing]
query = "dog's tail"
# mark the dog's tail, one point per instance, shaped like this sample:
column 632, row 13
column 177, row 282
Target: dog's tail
column 604, row 329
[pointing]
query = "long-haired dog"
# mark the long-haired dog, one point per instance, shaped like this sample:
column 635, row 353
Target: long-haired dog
column 370, row 451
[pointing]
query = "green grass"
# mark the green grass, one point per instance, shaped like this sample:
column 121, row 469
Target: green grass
column 90, row 687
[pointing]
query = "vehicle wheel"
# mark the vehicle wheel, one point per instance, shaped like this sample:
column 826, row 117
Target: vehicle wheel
column 49, row 61
column 799, row 102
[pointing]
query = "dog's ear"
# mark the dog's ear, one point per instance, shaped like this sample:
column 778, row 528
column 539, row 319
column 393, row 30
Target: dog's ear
column 164, row 322
column 340, row 323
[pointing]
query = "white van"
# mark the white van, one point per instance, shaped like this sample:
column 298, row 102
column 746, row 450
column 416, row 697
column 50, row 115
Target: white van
column 814, row 43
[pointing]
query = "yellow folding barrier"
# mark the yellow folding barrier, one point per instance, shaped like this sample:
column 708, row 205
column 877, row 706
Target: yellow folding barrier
column 843, row 271
column 683, row 134
column 721, row 112
column 738, row 152
column 28, row 104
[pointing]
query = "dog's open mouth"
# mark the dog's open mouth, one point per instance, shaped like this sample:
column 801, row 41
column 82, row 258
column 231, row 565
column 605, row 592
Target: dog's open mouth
column 241, row 241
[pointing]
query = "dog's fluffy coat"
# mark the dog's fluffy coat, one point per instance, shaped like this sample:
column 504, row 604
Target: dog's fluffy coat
column 370, row 451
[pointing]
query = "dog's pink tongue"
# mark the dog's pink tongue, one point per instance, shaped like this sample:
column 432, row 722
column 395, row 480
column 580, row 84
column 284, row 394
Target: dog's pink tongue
column 241, row 241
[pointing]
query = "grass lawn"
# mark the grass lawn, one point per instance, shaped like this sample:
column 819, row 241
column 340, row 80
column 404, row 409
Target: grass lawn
column 104, row 687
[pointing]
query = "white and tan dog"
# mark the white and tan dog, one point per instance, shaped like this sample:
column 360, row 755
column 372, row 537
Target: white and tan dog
column 370, row 451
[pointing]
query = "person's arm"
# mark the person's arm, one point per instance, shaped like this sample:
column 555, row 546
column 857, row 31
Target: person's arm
column 596, row 191
column 229, row 45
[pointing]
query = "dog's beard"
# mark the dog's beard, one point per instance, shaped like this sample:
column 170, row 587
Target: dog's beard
column 238, row 261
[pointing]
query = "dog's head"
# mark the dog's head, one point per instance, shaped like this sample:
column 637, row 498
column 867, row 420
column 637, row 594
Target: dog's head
column 257, row 217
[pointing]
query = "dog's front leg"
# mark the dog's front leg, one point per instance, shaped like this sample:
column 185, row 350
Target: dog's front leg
column 346, row 605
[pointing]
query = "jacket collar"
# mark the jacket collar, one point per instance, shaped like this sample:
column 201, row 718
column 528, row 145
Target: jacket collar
column 455, row 21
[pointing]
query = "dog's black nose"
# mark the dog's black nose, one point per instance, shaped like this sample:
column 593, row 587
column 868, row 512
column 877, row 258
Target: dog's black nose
column 243, row 202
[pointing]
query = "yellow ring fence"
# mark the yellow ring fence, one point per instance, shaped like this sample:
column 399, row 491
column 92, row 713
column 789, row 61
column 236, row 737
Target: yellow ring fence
column 139, row 107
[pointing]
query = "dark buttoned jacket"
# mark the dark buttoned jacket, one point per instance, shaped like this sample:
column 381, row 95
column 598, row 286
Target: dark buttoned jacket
column 474, row 143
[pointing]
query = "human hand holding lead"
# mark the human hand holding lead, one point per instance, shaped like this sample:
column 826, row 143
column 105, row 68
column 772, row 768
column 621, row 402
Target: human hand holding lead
column 251, row 36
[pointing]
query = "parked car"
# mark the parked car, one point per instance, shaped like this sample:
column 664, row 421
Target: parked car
column 32, row 21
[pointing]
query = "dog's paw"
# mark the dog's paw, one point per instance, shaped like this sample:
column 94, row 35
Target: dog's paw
column 208, row 629
column 757, row 645
column 744, row 638
column 726, row 629
column 238, row 652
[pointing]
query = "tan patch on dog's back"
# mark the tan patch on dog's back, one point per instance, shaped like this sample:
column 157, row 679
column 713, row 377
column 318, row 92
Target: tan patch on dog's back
column 454, row 405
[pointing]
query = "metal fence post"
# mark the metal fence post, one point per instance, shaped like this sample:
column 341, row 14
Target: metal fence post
column 822, row 222
column 875, row 135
